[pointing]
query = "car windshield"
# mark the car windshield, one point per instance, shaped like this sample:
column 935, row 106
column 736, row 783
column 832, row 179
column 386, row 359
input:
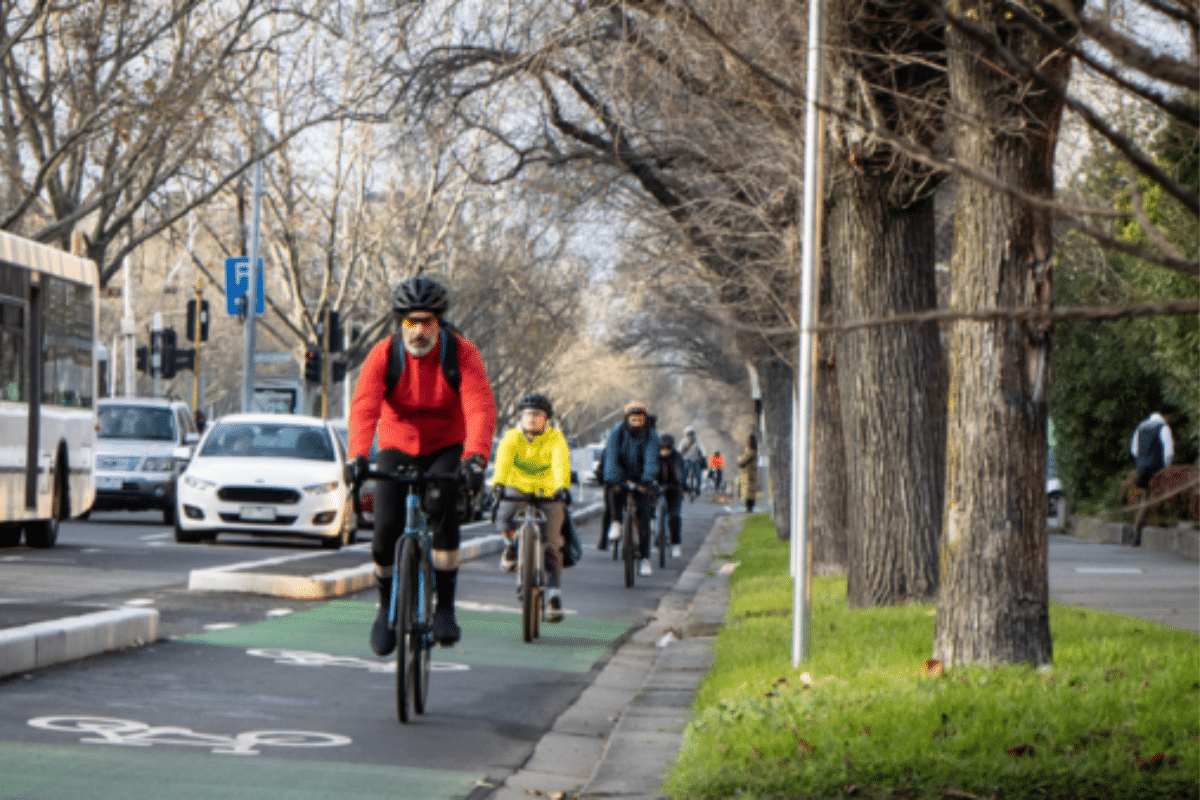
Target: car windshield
column 135, row 422
column 268, row 440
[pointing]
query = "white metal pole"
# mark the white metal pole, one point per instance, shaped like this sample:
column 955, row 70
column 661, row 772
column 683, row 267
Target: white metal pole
column 252, row 297
column 128, row 326
column 810, row 252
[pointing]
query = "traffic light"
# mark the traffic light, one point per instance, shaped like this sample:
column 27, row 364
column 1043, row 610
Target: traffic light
column 185, row 358
column 168, row 353
column 338, row 367
column 337, row 336
column 191, row 320
column 143, row 358
column 312, row 365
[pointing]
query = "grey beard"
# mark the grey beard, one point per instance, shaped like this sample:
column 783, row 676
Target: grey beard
column 417, row 352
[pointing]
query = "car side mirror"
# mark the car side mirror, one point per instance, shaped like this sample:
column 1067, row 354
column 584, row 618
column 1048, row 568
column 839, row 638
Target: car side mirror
column 191, row 438
column 182, row 454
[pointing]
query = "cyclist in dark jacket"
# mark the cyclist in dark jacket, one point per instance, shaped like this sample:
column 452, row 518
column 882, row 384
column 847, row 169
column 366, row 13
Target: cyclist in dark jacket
column 672, row 478
column 631, row 454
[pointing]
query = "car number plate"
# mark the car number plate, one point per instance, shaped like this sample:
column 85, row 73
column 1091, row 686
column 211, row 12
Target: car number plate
column 258, row 513
column 108, row 483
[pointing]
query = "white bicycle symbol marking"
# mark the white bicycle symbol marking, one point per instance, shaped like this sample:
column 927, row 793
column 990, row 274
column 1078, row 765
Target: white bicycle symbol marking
column 130, row 733
column 306, row 658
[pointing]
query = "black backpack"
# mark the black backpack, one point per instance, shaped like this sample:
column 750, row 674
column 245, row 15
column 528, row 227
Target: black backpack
column 1149, row 451
column 448, row 354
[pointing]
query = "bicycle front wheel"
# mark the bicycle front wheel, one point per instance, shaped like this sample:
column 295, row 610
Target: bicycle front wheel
column 420, row 635
column 529, row 588
column 405, row 594
column 627, row 545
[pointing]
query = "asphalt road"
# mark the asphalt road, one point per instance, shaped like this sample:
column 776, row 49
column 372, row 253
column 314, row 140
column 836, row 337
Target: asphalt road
column 249, row 696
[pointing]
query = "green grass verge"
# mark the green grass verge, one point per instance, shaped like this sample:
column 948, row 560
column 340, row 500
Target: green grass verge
column 1116, row 716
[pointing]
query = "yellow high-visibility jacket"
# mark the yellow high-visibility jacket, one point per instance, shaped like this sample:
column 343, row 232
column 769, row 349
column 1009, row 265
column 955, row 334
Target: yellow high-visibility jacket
column 543, row 464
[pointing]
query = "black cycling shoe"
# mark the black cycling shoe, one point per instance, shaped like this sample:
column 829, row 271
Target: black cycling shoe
column 445, row 629
column 383, row 636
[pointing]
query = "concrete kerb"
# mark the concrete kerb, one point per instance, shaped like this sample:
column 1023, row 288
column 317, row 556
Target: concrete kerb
column 81, row 634
column 295, row 584
column 624, row 731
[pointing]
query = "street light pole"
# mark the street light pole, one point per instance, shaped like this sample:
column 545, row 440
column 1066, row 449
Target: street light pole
column 811, row 244
column 252, row 297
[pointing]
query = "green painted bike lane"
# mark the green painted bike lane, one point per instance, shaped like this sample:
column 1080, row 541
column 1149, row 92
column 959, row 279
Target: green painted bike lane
column 152, row 764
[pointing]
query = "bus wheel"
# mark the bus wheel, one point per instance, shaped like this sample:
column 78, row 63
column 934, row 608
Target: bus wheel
column 10, row 534
column 44, row 532
column 41, row 533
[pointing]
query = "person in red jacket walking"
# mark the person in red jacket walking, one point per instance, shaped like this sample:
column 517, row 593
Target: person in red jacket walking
column 423, row 422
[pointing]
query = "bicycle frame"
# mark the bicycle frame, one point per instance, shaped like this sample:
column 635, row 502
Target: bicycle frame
column 410, row 604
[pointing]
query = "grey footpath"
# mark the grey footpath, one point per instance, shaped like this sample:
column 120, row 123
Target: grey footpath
column 625, row 730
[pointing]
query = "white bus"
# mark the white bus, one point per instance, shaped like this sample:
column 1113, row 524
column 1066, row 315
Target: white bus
column 48, row 319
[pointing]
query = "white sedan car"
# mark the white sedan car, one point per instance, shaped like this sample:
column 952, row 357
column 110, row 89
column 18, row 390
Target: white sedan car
column 267, row 475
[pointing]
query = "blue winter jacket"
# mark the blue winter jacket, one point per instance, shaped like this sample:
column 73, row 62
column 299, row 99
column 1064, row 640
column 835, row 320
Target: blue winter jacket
column 631, row 457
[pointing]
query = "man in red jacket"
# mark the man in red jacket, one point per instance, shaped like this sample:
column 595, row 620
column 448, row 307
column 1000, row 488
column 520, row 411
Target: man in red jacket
column 428, row 423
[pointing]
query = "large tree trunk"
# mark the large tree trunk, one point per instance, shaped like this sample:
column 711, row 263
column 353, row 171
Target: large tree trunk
column 891, row 383
column 775, row 381
column 827, row 501
column 993, row 604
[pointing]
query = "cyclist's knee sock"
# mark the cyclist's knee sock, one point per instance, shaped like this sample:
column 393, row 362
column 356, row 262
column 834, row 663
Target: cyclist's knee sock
column 446, row 581
column 384, row 584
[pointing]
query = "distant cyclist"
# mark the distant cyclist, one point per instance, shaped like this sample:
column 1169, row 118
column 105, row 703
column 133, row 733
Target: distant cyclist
column 693, row 461
column 631, row 454
column 533, row 459
column 671, row 479
column 426, row 423
column 716, row 469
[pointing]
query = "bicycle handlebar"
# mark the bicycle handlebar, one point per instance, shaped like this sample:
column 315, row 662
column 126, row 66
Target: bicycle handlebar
column 409, row 475
column 525, row 497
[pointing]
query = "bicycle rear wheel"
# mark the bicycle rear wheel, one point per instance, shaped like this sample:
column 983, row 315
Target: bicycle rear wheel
column 529, row 607
column 404, row 596
column 627, row 545
column 421, row 636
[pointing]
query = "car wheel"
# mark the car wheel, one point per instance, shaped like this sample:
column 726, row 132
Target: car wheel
column 185, row 537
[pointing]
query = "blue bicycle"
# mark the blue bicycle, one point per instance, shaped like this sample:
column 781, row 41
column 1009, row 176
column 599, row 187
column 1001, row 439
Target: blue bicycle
column 411, row 609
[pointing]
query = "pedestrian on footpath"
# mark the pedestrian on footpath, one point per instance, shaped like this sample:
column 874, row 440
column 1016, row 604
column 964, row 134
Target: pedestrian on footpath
column 1152, row 449
column 748, row 472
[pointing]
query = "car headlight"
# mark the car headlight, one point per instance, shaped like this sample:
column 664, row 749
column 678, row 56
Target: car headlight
column 322, row 488
column 198, row 483
column 158, row 464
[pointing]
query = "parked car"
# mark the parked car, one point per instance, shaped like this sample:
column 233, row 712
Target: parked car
column 142, row 445
column 267, row 475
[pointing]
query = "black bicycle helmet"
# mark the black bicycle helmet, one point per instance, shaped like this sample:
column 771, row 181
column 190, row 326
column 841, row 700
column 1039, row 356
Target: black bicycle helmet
column 666, row 440
column 419, row 293
column 538, row 402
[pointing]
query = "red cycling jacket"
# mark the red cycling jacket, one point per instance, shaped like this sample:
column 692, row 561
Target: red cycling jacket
column 423, row 413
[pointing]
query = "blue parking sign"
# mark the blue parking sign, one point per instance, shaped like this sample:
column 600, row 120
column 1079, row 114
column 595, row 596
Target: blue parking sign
column 237, row 283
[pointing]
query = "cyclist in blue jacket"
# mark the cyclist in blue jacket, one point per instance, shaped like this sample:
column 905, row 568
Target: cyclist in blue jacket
column 631, row 454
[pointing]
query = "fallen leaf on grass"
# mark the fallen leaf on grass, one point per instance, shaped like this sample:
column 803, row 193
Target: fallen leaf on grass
column 1149, row 764
column 804, row 748
column 932, row 668
column 1020, row 750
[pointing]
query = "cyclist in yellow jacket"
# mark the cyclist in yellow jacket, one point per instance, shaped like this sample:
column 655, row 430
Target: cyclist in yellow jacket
column 533, row 458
